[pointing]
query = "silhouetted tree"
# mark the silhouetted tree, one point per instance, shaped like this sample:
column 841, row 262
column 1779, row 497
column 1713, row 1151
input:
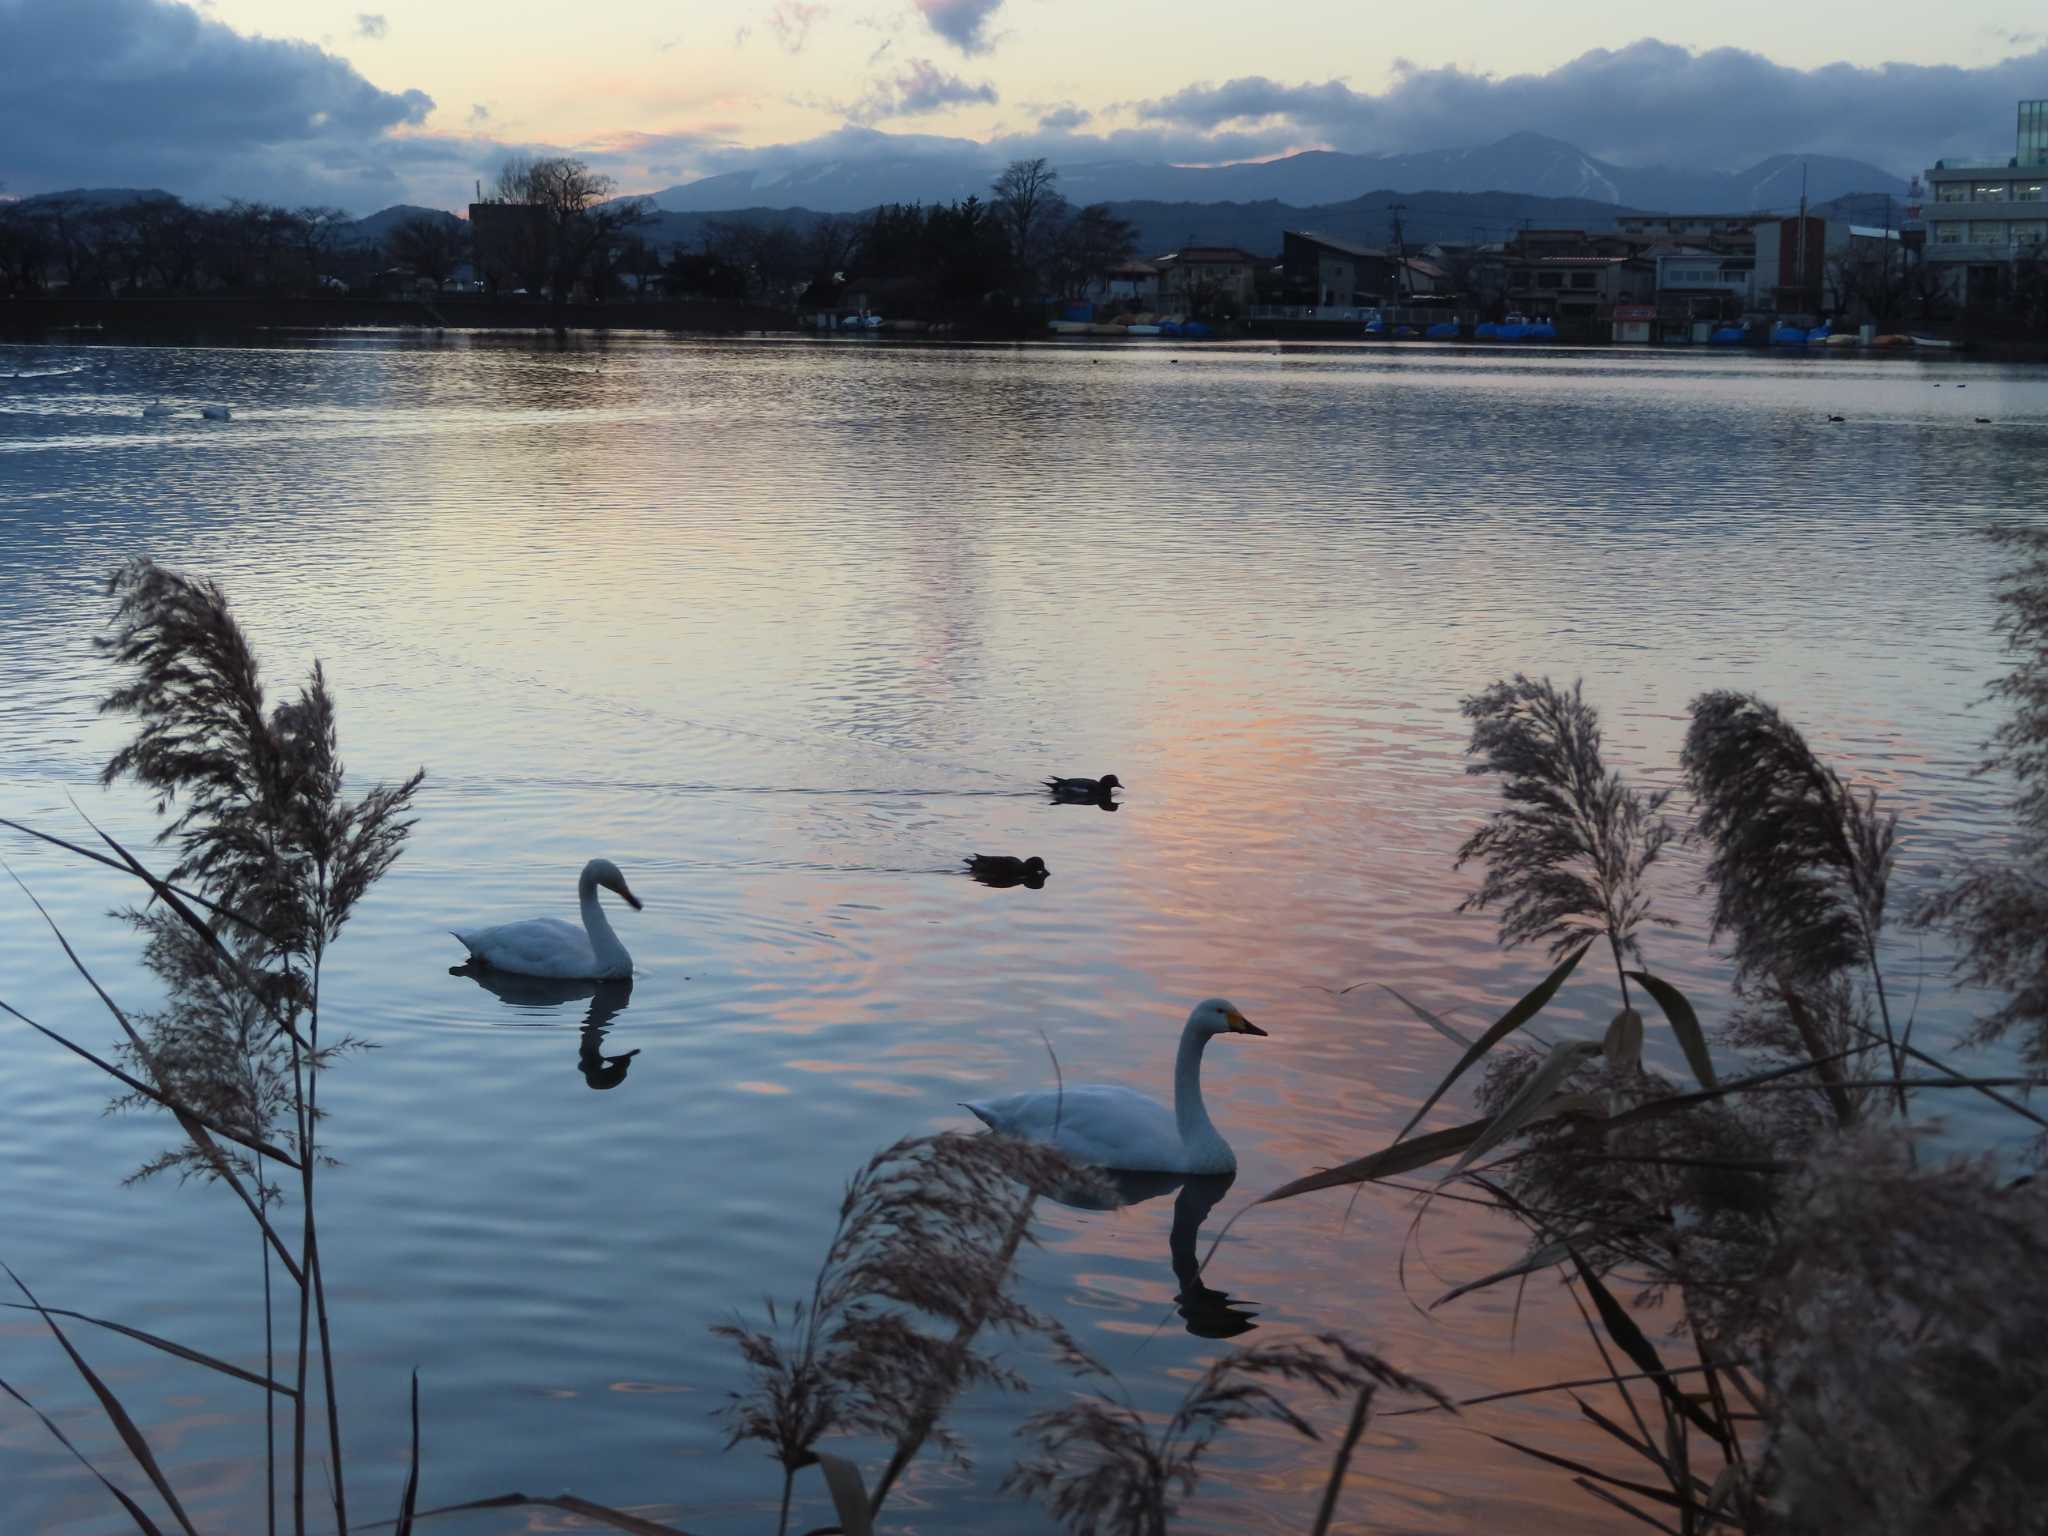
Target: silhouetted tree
column 573, row 223
column 432, row 247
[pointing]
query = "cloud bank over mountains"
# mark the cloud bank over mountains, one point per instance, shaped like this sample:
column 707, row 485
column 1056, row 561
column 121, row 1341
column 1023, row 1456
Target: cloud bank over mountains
column 157, row 93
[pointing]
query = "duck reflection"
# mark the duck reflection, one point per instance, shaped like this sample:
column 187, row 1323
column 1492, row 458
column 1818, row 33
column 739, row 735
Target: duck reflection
column 607, row 1000
column 1207, row 1313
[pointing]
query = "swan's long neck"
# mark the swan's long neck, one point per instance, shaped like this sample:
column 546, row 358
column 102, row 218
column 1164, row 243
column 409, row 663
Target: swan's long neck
column 1188, row 1110
column 604, row 944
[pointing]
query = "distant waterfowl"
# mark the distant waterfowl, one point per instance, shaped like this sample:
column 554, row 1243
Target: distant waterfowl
column 1107, row 1126
column 157, row 408
column 1838, row 418
column 547, row 946
column 216, row 413
column 1983, row 421
column 1000, row 869
column 1084, row 789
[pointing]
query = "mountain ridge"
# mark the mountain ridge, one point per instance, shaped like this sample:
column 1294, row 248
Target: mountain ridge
column 1528, row 163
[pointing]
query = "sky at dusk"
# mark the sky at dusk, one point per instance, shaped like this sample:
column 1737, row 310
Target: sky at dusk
column 300, row 100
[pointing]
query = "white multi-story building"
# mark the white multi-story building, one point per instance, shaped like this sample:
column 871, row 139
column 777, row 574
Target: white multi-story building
column 1981, row 218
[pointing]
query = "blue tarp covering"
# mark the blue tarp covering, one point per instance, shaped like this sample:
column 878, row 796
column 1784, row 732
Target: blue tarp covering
column 1196, row 328
column 1728, row 336
column 1169, row 328
column 1443, row 330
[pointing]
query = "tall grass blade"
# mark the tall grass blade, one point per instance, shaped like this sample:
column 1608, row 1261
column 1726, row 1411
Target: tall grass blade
column 1643, row 1490
column 131, row 1436
column 1457, row 1037
column 1522, row 1012
column 849, row 1493
column 1531, row 1102
column 1641, row 1447
column 129, row 867
column 1637, row 1346
column 1550, row 1253
column 1402, row 1157
column 143, row 1523
column 1678, row 1013
column 617, row 1519
column 136, row 1085
column 1624, row 1042
column 169, row 1347
column 412, row 1476
column 1340, row 1464
column 1624, row 1506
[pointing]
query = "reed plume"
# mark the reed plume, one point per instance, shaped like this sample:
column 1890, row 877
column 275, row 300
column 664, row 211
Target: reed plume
column 927, row 1234
column 1567, row 852
column 281, row 856
column 1801, row 864
column 1998, row 912
column 1907, row 1346
column 1101, row 1468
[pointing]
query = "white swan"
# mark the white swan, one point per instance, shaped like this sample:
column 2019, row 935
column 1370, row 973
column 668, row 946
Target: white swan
column 547, row 946
column 1106, row 1126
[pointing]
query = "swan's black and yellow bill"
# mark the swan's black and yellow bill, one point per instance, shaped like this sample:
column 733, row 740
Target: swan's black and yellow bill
column 1240, row 1025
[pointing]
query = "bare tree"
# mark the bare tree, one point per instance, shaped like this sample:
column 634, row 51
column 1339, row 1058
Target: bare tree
column 573, row 219
column 432, row 247
column 1026, row 205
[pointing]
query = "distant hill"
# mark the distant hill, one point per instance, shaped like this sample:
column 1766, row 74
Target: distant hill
column 97, row 197
column 1257, row 226
column 1529, row 164
column 380, row 225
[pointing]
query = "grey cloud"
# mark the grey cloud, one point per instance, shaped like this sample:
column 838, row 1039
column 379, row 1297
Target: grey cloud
column 1649, row 102
column 1064, row 119
column 152, row 93
column 479, row 114
column 370, row 24
column 963, row 23
column 919, row 87
column 791, row 22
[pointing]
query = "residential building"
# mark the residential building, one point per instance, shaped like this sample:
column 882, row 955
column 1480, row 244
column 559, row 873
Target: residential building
column 1336, row 274
column 1732, row 233
column 1569, row 276
column 1694, row 284
column 1207, row 280
column 510, row 242
column 1983, row 217
column 1133, row 283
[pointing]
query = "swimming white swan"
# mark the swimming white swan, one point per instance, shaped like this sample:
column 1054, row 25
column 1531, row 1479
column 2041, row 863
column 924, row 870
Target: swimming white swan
column 1106, row 1126
column 547, row 946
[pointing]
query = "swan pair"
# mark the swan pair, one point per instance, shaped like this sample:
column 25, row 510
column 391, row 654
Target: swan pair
column 1100, row 1125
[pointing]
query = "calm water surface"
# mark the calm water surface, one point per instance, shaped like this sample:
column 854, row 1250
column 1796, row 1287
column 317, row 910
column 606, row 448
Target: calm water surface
column 786, row 630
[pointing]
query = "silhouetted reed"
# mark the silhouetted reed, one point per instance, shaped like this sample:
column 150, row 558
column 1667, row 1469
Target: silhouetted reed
column 1102, row 1469
column 1567, row 851
column 1998, row 911
column 1860, row 1317
column 928, row 1234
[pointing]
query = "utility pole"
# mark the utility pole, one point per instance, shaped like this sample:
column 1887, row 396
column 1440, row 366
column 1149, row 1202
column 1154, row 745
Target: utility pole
column 1799, row 246
column 1400, row 245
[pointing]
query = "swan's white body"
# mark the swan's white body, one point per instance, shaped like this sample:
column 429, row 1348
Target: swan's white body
column 547, row 946
column 1107, row 1126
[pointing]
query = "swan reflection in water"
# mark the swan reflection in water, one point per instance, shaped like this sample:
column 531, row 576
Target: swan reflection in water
column 1207, row 1313
column 607, row 1000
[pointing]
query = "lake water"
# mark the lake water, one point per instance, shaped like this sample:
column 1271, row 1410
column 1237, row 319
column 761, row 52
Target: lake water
column 786, row 629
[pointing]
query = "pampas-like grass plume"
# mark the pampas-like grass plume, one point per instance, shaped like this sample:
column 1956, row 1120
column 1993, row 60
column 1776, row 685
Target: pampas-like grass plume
column 1800, row 864
column 1998, row 913
column 928, row 1233
column 1907, row 1346
column 1103, row 1470
column 1566, row 854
